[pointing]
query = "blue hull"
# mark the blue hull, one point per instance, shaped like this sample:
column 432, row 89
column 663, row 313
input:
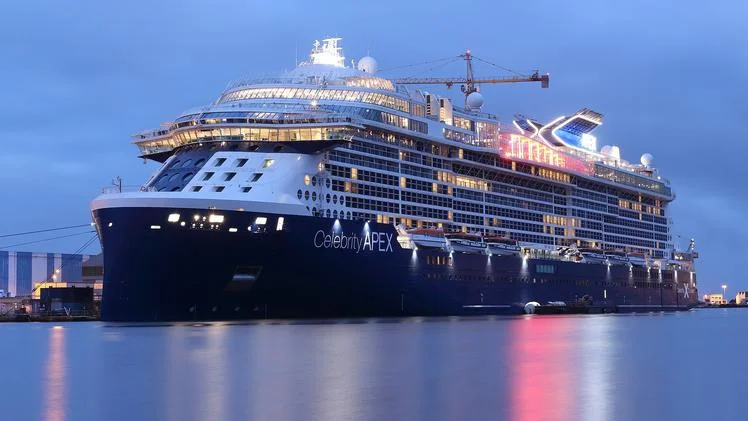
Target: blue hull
column 317, row 267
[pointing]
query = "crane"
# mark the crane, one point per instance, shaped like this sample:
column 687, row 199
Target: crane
column 469, row 82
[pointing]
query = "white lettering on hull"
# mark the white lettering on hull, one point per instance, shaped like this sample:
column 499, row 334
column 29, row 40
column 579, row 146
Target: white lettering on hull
column 372, row 241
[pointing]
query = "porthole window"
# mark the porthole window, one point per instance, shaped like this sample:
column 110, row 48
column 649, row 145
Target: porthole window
column 314, row 196
column 306, row 195
column 314, row 181
column 348, row 215
column 335, row 199
column 327, row 183
column 298, row 194
column 307, row 179
column 328, row 197
column 342, row 200
column 314, row 211
column 335, row 214
column 327, row 213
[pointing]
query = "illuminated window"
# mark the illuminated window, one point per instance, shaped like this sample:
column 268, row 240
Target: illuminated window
column 307, row 179
column 279, row 226
column 267, row 163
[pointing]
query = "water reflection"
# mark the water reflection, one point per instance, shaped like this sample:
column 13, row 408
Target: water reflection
column 54, row 378
column 524, row 368
column 596, row 366
column 542, row 381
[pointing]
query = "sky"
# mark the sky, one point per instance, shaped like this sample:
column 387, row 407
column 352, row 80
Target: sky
column 79, row 77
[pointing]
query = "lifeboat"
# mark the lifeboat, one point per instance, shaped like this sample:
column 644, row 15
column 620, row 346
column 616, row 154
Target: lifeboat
column 637, row 259
column 428, row 238
column 465, row 243
column 502, row 246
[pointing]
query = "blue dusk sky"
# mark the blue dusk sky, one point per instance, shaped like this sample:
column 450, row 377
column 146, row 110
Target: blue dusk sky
column 79, row 77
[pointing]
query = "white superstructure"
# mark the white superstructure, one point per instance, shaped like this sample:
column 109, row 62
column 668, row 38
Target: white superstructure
column 333, row 141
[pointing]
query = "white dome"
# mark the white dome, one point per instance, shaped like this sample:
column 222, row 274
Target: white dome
column 367, row 64
column 474, row 101
column 647, row 159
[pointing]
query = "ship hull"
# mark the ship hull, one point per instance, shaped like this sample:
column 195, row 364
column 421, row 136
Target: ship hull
column 310, row 267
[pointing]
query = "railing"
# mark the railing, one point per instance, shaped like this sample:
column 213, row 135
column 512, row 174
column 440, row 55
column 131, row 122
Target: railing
column 126, row 189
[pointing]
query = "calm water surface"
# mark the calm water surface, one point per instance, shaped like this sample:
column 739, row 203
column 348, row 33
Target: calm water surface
column 607, row 367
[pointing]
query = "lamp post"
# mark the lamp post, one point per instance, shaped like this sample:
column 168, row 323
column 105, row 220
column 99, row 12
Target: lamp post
column 724, row 289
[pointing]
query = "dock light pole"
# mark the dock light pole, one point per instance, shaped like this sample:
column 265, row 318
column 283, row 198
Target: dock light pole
column 724, row 289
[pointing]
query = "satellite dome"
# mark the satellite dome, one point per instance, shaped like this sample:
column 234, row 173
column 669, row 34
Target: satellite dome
column 367, row 64
column 647, row 159
column 474, row 101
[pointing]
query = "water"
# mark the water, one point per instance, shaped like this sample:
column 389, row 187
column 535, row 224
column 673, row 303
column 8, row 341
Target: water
column 607, row 367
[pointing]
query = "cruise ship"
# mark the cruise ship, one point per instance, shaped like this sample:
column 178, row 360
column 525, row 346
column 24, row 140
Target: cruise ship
column 330, row 191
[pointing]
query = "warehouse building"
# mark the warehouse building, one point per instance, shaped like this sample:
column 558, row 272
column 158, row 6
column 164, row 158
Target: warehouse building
column 21, row 272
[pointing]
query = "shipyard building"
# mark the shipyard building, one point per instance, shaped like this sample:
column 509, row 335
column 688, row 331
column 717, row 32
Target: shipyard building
column 25, row 273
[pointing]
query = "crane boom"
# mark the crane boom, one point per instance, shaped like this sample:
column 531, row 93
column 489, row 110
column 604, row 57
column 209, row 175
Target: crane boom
column 469, row 82
column 449, row 81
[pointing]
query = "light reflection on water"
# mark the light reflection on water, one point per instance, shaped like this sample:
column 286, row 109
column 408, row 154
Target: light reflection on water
column 54, row 381
column 524, row 368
